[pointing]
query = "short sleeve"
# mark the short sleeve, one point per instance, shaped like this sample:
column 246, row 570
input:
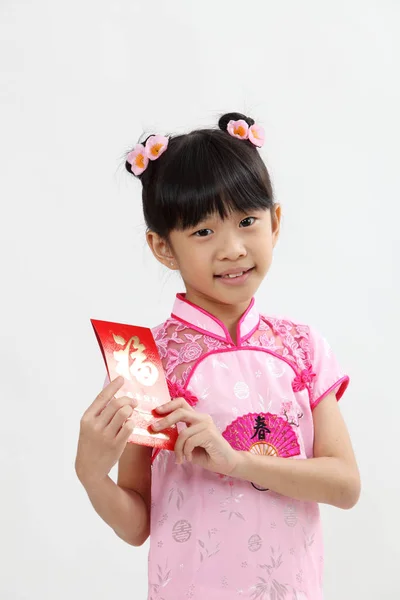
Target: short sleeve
column 329, row 376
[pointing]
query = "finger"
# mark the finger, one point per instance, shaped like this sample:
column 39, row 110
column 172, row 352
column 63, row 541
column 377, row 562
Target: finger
column 119, row 418
column 181, row 415
column 113, row 407
column 173, row 405
column 182, row 440
column 104, row 397
column 124, row 433
column 198, row 440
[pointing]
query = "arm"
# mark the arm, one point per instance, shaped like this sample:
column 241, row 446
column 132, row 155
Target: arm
column 331, row 477
column 125, row 506
column 104, row 432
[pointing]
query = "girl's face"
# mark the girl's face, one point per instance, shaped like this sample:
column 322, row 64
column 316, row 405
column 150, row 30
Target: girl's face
column 223, row 261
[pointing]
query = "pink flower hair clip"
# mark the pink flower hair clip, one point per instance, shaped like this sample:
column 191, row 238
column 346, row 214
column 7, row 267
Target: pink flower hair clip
column 241, row 130
column 139, row 157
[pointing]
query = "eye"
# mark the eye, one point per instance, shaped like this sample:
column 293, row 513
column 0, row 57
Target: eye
column 203, row 233
column 248, row 221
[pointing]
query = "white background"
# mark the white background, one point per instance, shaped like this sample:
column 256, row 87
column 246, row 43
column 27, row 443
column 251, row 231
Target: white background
column 80, row 81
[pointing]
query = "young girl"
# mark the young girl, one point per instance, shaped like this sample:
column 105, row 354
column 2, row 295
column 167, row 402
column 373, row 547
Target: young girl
column 233, row 512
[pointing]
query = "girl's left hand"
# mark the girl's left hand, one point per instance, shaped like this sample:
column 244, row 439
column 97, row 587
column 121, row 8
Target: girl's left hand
column 200, row 443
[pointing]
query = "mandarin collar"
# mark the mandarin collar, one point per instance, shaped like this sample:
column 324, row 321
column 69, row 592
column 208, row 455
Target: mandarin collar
column 205, row 323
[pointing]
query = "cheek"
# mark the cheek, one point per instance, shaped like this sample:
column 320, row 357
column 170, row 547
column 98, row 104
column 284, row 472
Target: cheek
column 263, row 246
column 194, row 261
column 264, row 253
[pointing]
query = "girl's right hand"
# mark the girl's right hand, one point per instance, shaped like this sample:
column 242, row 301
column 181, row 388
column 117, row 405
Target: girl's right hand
column 104, row 432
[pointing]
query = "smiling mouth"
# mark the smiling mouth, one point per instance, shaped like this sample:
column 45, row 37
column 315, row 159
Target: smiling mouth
column 235, row 275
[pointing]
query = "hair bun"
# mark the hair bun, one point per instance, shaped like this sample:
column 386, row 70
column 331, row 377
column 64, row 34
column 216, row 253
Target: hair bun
column 224, row 120
column 140, row 149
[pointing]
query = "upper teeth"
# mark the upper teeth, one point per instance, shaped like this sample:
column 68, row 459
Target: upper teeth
column 231, row 275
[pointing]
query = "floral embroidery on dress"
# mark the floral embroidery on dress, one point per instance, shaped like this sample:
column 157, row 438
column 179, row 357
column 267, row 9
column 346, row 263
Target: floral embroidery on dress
column 292, row 417
column 176, row 495
column 208, row 549
column 179, row 344
column 213, row 343
column 179, row 348
column 160, row 338
column 269, row 342
column 163, row 579
column 191, row 350
column 295, row 339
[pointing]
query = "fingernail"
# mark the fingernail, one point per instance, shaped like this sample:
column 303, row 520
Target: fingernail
column 156, row 426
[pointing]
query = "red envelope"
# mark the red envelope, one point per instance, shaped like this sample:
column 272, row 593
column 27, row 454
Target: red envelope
column 131, row 351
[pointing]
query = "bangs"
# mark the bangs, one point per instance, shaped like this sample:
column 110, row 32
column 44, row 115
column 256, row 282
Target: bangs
column 206, row 173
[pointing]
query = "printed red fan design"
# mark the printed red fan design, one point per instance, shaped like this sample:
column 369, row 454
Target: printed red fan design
column 131, row 351
column 264, row 434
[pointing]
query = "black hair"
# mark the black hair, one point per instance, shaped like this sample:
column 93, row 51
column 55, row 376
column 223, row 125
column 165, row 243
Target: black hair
column 201, row 173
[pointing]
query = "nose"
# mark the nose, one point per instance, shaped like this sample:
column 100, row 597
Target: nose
column 232, row 247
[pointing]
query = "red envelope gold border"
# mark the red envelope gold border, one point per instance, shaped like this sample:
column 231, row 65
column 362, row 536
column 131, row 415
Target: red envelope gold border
column 131, row 351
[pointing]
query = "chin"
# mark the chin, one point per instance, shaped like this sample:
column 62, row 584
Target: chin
column 238, row 295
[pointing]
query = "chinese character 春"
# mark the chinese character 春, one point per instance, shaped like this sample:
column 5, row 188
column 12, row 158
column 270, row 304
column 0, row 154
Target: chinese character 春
column 260, row 428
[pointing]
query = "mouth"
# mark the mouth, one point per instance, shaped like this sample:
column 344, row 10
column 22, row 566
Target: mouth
column 235, row 276
column 234, row 273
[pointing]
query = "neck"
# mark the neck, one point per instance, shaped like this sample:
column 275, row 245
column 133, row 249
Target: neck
column 228, row 314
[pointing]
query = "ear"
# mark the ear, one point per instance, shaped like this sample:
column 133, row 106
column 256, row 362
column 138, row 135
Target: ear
column 161, row 250
column 276, row 214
